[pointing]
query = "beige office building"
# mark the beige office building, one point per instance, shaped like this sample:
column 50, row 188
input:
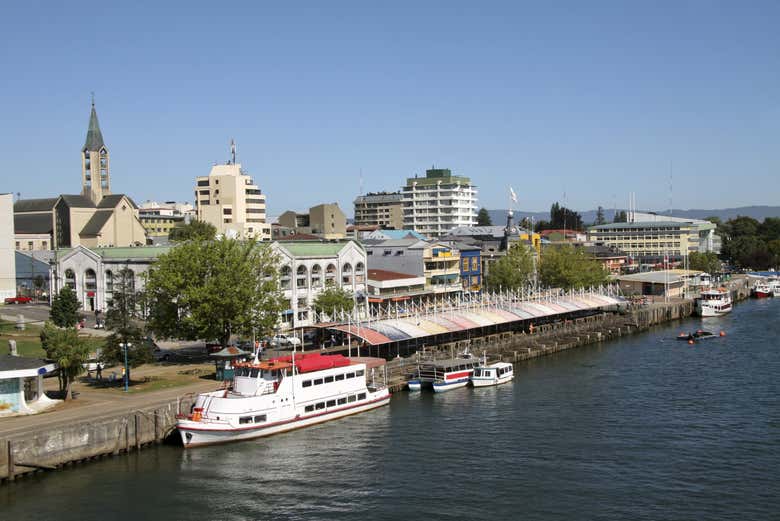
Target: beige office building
column 382, row 209
column 232, row 202
column 326, row 220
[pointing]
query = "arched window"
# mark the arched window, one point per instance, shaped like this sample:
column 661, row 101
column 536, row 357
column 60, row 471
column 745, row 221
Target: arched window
column 330, row 274
column 301, row 279
column 360, row 272
column 128, row 279
column 109, row 286
column 284, row 277
column 70, row 279
column 90, row 280
column 346, row 273
column 316, row 276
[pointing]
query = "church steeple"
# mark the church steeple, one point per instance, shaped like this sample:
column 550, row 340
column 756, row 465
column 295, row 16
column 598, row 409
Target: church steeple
column 95, row 171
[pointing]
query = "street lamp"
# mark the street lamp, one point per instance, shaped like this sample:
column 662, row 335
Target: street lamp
column 124, row 347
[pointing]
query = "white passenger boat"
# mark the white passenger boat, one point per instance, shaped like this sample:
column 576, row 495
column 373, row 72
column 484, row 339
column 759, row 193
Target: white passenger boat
column 282, row 394
column 493, row 374
column 774, row 286
column 443, row 375
column 713, row 303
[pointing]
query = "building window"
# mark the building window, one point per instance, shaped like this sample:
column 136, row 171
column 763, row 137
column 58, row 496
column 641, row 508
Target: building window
column 18, row 245
column 474, row 264
column 30, row 245
column 465, row 264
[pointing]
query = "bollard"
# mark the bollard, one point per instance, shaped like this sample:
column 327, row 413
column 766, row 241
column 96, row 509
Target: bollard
column 20, row 322
column 10, row 461
column 137, row 433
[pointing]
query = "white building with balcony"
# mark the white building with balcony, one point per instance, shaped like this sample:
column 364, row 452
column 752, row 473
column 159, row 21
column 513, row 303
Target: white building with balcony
column 308, row 266
column 435, row 204
column 437, row 263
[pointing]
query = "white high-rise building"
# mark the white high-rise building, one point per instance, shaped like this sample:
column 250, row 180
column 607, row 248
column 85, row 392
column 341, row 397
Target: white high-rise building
column 439, row 202
column 232, row 202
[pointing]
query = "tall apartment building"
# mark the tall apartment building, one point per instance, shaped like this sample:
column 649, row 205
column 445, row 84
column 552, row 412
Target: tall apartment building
column 439, row 202
column 231, row 201
column 383, row 209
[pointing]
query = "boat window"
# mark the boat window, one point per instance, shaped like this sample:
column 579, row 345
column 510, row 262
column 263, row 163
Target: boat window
column 350, row 375
column 360, row 372
column 253, row 373
column 318, row 381
column 352, row 398
column 342, row 401
column 307, row 383
column 362, row 396
column 309, row 408
column 339, row 377
column 320, row 405
column 477, row 372
column 245, row 419
column 331, row 403
column 328, row 379
column 260, row 418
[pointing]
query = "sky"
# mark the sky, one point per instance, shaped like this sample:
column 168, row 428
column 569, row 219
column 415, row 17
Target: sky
column 577, row 102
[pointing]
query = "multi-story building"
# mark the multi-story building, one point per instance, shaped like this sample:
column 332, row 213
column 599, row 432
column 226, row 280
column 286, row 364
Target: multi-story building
column 308, row 267
column 232, row 202
column 439, row 202
column 651, row 237
column 437, row 262
column 326, row 220
column 7, row 255
column 160, row 218
column 94, row 218
column 383, row 209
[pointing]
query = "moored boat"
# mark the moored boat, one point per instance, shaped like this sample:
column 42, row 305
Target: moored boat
column 699, row 335
column 761, row 290
column 713, row 303
column 774, row 285
column 284, row 393
column 443, row 375
column 493, row 374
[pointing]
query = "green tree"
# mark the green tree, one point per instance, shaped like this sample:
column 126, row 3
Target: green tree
column 620, row 217
column 332, row 300
column 483, row 218
column 568, row 267
column 706, row 262
column 600, row 219
column 561, row 217
column 67, row 350
column 196, row 230
column 512, row 271
column 123, row 320
column 65, row 308
column 214, row 289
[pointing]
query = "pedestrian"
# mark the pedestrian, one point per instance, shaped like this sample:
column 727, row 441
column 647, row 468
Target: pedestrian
column 99, row 371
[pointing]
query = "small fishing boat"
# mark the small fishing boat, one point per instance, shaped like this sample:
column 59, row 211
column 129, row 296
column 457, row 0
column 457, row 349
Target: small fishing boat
column 761, row 290
column 493, row 374
column 699, row 335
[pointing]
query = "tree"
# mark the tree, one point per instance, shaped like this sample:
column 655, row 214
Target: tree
column 561, row 217
column 568, row 267
column 214, row 289
column 600, row 219
column 195, row 230
column 483, row 218
column 512, row 271
column 122, row 320
column 620, row 217
column 67, row 350
column 706, row 262
column 65, row 308
column 332, row 300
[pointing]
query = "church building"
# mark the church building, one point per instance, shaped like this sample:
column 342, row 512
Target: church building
column 93, row 218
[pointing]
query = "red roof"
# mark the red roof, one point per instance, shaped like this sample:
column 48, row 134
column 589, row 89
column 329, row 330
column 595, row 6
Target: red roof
column 310, row 362
column 388, row 275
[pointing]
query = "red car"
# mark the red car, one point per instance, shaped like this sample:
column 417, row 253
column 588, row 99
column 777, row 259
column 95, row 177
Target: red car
column 18, row 300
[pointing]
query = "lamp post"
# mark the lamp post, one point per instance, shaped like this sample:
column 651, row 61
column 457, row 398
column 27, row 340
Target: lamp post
column 124, row 347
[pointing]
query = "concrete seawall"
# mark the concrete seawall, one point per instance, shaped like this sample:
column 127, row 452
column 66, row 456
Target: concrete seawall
column 58, row 446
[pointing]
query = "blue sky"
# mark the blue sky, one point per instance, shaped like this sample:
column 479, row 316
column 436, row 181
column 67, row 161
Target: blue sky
column 590, row 99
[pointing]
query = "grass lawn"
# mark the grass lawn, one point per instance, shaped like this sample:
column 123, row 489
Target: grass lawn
column 28, row 342
column 141, row 383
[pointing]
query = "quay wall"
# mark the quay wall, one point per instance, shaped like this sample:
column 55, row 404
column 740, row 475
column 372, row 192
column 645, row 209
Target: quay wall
column 58, row 446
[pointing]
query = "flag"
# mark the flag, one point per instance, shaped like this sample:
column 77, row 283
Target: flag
column 512, row 195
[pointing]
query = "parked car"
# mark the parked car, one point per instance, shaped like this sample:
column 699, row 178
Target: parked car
column 285, row 341
column 18, row 300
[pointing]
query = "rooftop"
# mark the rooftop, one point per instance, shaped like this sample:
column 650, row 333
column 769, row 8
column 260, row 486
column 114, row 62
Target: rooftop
column 381, row 275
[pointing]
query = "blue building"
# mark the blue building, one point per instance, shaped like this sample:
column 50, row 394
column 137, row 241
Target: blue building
column 470, row 267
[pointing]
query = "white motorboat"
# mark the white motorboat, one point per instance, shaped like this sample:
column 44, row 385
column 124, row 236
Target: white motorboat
column 713, row 303
column 282, row 394
column 493, row 374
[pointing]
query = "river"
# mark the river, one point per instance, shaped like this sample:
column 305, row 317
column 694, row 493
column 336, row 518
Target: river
column 644, row 427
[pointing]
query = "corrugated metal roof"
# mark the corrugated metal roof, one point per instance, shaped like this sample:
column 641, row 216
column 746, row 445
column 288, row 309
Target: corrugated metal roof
column 35, row 205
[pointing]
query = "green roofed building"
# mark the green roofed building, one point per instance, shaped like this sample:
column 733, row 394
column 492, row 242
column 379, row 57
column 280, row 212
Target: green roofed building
column 435, row 204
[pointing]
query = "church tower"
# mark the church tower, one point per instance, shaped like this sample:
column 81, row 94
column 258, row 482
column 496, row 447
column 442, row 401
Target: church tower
column 95, row 169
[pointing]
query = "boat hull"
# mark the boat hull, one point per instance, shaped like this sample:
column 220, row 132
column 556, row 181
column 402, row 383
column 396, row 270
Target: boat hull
column 198, row 434
column 414, row 385
column 488, row 382
column 706, row 311
column 762, row 294
column 440, row 387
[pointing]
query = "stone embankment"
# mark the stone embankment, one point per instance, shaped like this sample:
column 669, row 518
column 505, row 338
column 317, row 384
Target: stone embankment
column 63, row 445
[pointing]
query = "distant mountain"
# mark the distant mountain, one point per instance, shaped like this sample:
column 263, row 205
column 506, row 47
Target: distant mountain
column 588, row 217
